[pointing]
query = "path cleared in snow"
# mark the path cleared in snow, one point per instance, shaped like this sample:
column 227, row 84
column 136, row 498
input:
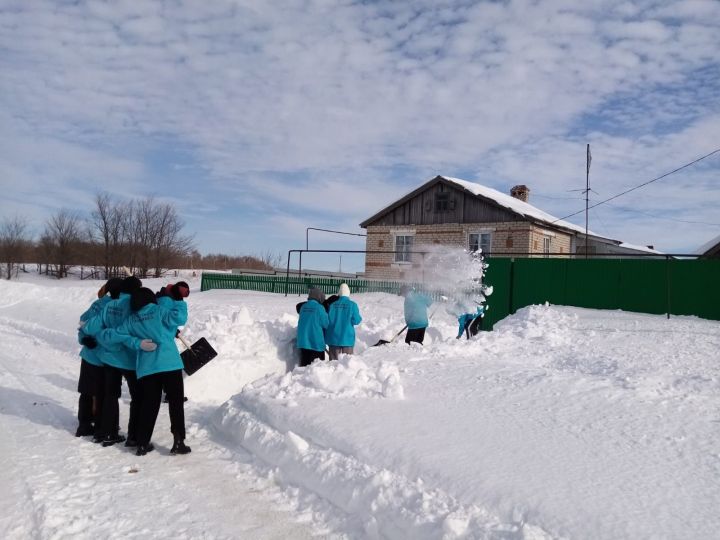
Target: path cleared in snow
column 58, row 486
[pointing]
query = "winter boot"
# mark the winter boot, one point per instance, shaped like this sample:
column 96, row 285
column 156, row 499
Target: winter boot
column 179, row 447
column 109, row 440
column 144, row 449
column 84, row 430
column 131, row 443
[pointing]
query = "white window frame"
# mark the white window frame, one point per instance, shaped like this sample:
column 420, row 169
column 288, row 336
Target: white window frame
column 547, row 240
column 480, row 234
column 407, row 257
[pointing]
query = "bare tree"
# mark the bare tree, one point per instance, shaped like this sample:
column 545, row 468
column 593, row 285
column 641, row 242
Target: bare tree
column 14, row 241
column 168, row 242
column 270, row 259
column 142, row 228
column 109, row 226
column 63, row 232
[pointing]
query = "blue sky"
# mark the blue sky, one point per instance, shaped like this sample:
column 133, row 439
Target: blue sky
column 260, row 119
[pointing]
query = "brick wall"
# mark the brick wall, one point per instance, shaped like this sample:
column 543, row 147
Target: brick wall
column 507, row 237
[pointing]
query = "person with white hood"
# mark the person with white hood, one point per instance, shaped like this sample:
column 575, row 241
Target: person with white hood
column 343, row 315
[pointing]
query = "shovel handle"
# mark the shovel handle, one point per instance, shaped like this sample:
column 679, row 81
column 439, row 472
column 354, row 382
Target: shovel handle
column 182, row 340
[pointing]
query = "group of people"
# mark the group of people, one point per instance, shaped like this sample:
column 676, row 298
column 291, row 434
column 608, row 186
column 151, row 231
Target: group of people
column 328, row 325
column 129, row 332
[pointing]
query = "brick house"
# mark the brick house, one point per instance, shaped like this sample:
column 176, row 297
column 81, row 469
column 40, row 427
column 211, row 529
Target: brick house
column 453, row 212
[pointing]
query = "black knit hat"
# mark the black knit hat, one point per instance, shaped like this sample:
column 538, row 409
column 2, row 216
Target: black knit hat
column 130, row 284
column 114, row 286
column 141, row 298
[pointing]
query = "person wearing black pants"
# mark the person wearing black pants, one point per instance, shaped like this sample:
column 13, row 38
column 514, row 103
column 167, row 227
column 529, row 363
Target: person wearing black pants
column 415, row 307
column 91, row 384
column 111, row 409
column 152, row 387
column 308, row 356
column 118, row 361
column 416, row 335
column 312, row 323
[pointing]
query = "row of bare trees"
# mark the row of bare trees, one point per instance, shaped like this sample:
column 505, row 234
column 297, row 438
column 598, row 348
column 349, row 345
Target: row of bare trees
column 144, row 236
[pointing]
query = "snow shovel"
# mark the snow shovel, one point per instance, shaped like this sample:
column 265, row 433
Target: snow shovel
column 385, row 341
column 196, row 355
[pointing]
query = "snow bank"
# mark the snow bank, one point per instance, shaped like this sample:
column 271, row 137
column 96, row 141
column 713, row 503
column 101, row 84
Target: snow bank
column 562, row 422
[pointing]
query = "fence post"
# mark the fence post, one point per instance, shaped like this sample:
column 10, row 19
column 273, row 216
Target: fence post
column 512, row 285
column 667, row 285
column 287, row 275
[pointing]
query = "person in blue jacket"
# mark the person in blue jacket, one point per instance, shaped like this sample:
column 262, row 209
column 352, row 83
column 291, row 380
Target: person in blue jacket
column 165, row 297
column 311, row 326
column 343, row 316
column 118, row 362
column 466, row 319
column 415, row 307
column 91, row 383
column 149, row 331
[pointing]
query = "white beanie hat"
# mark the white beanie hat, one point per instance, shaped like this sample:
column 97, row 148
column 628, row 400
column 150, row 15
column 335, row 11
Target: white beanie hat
column 344, row 290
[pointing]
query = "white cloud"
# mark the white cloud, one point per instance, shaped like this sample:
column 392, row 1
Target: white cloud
column 263, row 93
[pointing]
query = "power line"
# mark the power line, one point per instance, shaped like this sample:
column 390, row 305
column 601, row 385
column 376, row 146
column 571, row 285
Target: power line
column 641, row 185
column 634, row 211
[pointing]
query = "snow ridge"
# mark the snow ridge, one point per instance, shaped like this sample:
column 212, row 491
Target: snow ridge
column 381, row 503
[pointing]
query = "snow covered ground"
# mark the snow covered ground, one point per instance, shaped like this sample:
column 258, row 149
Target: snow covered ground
column 561, row 423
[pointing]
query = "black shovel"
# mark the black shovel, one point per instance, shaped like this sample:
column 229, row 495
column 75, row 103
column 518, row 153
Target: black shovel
column 385, row 341
column 196, row 355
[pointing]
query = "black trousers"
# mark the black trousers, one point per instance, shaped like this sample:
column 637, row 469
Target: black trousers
column 476, row 325
column 152, row 388
column 415, row 334
column 308, row 356
column 91, row 386
column 111, row 410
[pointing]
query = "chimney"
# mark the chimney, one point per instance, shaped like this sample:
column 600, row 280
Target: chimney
column 521, row 192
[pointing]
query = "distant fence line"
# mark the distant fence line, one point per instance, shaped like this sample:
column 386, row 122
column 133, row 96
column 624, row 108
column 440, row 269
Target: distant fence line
column 650, row 285
column 296, row 284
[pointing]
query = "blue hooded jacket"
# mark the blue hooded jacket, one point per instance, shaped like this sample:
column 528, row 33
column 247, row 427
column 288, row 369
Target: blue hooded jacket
column 416, row 305
column 91, row 355
column 467, row 318
column 153, row 322
column 313, row 320
column 343, row 316
column 113, row 315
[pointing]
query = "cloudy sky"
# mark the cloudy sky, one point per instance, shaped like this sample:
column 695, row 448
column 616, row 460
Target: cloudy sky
column 259, row 119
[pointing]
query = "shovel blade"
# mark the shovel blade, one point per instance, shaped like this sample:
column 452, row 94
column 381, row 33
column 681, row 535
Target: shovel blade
column 199, row 354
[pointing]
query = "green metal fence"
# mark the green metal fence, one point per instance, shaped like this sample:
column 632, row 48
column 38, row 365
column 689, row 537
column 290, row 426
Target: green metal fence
column 299, row 285
column 671, row 286
column 675, row 287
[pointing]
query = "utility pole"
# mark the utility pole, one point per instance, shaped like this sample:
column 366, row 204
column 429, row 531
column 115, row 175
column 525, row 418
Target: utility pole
column 587, row 195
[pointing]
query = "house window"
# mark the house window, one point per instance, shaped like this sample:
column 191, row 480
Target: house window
column 403, row 248
column 546, row 245
column 478, row 241
column 442, row 202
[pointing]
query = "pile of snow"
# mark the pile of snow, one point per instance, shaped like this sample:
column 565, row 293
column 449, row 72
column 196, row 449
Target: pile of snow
column 348, row 377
